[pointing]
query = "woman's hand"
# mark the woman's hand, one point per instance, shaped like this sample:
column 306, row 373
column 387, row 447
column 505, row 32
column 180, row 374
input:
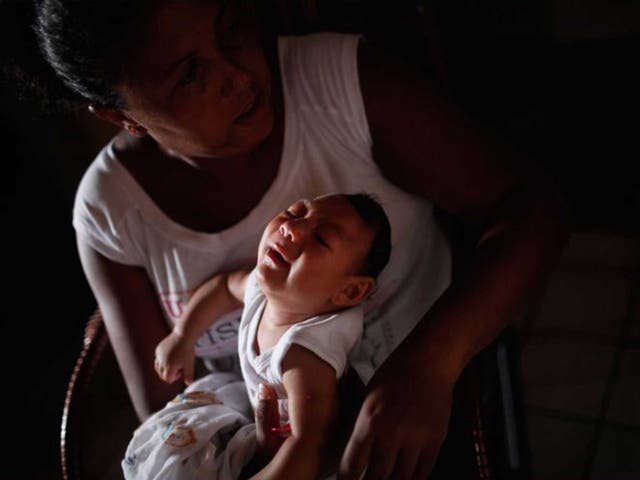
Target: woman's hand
column 267, row 418
column 402, row 423
column 174, row 357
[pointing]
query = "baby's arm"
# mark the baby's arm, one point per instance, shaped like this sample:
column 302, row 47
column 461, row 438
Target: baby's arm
column 219, row 295
column 312, row 393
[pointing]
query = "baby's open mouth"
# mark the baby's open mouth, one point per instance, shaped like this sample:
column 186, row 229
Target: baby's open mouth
column 276, row 258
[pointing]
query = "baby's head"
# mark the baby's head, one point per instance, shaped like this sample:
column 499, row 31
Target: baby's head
column 324, row 254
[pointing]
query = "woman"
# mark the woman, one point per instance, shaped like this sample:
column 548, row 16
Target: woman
column 222, row 128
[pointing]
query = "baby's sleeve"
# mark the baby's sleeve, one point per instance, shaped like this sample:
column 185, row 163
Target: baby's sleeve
column 331, row 338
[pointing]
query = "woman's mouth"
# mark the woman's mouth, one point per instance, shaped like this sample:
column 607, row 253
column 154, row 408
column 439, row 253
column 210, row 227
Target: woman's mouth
column 249, row 109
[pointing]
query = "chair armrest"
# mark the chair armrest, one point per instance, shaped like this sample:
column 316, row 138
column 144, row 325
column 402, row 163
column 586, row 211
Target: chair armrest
column 95, row 341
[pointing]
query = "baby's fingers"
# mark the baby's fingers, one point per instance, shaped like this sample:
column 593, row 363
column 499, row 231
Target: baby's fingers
column 188, row 373
column 267, row 417
column 160, row 369
column 173, row 372
column 167, row 373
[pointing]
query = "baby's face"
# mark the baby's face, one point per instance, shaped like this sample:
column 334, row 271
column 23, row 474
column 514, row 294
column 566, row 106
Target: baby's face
column 310, row 251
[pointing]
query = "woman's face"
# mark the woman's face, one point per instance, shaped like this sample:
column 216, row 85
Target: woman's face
column 198, row 80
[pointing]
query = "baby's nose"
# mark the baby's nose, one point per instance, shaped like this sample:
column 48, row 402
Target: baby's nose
column 293, row 231
column 285, row 231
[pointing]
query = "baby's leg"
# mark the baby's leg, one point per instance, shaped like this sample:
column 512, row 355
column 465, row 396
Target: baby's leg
column 205, row 432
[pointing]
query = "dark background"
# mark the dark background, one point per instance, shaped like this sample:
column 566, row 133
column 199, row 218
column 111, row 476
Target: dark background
column 556, row 79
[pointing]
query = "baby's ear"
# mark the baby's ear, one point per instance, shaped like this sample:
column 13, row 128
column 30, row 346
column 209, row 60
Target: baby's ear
column 354, row 291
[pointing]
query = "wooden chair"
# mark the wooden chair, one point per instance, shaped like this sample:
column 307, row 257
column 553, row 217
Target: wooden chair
column 98, row 418
column 485, row 439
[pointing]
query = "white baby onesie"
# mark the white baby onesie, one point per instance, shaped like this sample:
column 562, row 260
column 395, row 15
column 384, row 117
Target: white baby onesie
column 331, row 337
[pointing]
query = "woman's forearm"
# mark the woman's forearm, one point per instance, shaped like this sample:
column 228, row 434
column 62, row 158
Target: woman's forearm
column 297, row 458
column 520, row 244
column 135, row 323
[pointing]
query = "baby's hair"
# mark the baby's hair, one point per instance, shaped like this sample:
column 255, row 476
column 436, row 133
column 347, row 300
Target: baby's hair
column 375, row 217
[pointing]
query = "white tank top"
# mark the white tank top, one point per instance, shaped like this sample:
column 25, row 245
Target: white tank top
column 327, row 149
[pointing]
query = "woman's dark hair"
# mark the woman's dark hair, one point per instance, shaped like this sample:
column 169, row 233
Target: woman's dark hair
column 86, row 43
column 374, row 216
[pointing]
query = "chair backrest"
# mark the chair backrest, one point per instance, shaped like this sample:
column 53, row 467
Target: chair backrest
column 98, row 417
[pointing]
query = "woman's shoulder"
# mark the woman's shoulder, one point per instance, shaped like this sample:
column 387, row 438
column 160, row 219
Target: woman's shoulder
column 316, row 39
column 105, row 206
column 320, row 75
column 316, row 55
column 104, row 183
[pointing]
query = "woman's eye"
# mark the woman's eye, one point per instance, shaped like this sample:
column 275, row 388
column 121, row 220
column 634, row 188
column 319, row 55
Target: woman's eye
column 321, row 240
column 191, row 74
column 289, row 214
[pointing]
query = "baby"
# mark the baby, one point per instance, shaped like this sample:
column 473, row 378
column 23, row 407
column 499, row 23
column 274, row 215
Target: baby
column 317, row 261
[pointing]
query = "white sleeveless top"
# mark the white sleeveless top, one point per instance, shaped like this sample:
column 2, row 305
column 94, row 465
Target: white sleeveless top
column 327, row 149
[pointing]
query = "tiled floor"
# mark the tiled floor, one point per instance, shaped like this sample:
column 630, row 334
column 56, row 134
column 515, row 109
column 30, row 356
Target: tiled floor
column 580, row 363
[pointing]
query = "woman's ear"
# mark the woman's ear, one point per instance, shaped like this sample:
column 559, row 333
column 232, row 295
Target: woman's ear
column 354, row 291
column 117, row 117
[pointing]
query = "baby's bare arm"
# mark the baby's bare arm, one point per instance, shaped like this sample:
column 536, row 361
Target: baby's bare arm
column 221, row 294
column 312, row 393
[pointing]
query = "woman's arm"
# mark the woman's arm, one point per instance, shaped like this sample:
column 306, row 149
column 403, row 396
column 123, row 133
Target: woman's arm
column 312, row 394
column 427, row 146
column 135, row 324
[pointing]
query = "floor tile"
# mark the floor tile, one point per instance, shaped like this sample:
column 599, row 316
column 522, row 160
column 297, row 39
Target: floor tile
column 558, row 447
column 625, row 399
column 618, row 456
column 565, row 376
column 585, row 303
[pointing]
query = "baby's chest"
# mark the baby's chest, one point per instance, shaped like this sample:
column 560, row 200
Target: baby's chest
column 267, row 338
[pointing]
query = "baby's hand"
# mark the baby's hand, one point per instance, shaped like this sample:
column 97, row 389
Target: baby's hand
column 174, row 357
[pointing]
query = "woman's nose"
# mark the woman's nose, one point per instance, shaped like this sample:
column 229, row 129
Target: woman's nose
column 236, row 81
